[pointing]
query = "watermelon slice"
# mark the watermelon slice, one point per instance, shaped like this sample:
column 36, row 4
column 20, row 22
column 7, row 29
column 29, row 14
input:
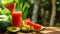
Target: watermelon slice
column 11, row 6
column 36, row 26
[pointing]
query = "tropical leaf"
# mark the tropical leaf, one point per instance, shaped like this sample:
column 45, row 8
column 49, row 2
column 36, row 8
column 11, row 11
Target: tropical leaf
column 21, row 5
column 25, row 14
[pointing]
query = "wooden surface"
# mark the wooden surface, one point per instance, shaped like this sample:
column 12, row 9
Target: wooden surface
column 51, row 30
column 48, row 30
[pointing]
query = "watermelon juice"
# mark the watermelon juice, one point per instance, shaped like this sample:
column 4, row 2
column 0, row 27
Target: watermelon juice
column 17, row 19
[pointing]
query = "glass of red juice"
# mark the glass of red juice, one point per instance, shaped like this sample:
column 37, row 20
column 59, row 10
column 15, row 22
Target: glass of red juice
column 17, row 19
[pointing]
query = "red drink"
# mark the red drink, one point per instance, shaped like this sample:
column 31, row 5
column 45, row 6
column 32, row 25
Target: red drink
column 16, row 19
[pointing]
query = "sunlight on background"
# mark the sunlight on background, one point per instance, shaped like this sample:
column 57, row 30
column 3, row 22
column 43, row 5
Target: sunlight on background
column 6, row 1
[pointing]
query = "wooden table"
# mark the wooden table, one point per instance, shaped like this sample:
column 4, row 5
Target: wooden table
column 51, row 30
column 48, row 30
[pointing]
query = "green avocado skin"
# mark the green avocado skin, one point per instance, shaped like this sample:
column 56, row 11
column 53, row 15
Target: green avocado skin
column 4, row 25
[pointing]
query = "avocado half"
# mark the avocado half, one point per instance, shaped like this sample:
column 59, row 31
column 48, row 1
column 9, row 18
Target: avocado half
column 13, row 29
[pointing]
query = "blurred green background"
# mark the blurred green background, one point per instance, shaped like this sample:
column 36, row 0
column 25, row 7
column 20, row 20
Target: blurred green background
column 44, row 12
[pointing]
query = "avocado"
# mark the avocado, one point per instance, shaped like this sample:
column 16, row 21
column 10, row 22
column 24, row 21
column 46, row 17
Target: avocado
column 13, row 29
column 4, row 25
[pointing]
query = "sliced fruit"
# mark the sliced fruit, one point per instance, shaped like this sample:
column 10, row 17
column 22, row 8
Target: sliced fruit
column 36, row 26
column 13, row 29
column 11, row 6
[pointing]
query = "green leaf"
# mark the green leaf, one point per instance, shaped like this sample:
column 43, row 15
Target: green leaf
column 25, row 14
column 24, row 7
column 21, row 5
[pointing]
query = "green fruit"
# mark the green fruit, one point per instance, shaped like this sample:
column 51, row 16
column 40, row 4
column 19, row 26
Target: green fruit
column 13, row 29
column 4, row 25
column 27, row 28
column 24, row 29
column 31, row 29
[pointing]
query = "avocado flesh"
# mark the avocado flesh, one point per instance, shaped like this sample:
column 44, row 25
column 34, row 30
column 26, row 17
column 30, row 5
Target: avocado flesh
column 13, row 29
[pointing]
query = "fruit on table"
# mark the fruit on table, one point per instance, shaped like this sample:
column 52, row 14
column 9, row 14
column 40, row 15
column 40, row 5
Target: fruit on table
column 13, row 29
column 11, row 6
column 36, row 26
column 4, row 25
column 27, row 28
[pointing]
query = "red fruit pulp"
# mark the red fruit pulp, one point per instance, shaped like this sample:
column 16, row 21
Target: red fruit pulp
column 11, row 6
column 36, row 26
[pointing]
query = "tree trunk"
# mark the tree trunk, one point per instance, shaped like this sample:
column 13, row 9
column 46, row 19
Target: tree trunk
column 34, row 15
column 45, row 17
column 53, row 12
column 42, row 11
